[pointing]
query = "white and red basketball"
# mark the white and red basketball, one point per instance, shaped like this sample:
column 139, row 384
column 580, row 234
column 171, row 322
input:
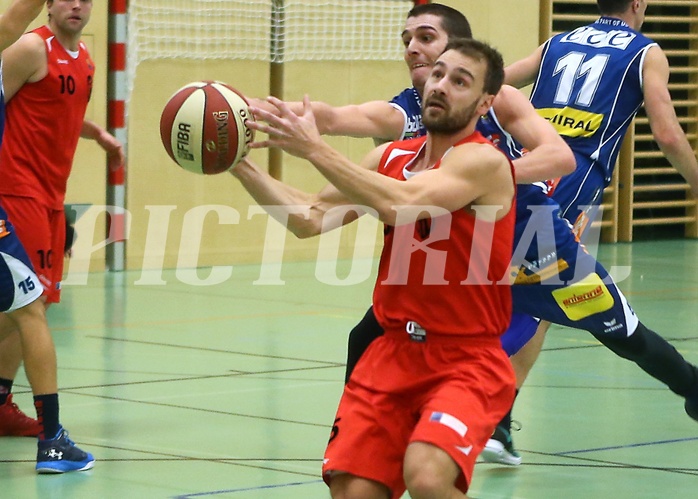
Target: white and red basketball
column 203, row 127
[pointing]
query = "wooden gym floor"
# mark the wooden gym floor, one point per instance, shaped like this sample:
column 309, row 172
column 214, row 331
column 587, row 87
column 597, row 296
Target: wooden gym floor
column 228, row 391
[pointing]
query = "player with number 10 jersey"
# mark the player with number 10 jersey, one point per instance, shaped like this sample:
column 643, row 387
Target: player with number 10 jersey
column 47, row 112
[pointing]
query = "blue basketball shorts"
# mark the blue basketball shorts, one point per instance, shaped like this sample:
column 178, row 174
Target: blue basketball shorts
column 555, row 279
column 19, row 285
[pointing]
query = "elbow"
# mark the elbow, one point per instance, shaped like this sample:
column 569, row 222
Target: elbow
column 669, row 141
column 392, row 211
column 397, row 213
column 301, row 226
column 304, row 230
column 305, row 234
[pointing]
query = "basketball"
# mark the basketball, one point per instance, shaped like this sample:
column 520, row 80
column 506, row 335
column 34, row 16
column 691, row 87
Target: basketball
column 203, row 127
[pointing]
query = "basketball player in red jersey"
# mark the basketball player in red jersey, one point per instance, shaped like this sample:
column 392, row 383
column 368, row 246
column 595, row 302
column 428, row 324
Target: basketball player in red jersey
column 47, row 78
column 426, row 396
column 22, row 310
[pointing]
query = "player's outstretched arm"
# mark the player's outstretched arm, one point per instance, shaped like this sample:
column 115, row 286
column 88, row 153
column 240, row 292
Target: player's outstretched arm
column 524, row 71
column 16, row 18
column 470, row 174
column 548, row 155
column 460, row 180
column 305, row 214
column 373, row 119
column 665, row 126
column 298, row 135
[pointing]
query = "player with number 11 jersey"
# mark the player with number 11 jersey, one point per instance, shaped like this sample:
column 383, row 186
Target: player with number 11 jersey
column 590, row 88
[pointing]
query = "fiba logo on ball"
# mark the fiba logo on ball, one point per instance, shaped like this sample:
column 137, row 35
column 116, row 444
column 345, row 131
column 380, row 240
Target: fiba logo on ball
column 204, row 127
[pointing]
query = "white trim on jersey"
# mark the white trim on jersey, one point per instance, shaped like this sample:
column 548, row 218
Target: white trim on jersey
column 27, row 287
column 404, row 116
column 603, row 141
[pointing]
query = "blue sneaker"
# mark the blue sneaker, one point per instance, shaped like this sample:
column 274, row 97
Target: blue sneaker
column 60, row 455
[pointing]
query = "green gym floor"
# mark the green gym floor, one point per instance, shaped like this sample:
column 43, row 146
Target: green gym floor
column 228, row 391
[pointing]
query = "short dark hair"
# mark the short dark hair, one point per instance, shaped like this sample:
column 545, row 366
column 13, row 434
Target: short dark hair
column 482, row 51
column 613, row 6
column 454, row 23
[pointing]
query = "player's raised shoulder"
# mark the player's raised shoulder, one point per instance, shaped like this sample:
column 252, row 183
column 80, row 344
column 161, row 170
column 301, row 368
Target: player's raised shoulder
column 29, row 41
column 480, row 155
column 487, row 172
column 24, row 61
column 480, row 162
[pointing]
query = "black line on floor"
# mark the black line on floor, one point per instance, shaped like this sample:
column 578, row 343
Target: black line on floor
column 197, row 409
column 198, row 378
column 215, row 350
column 611, row 464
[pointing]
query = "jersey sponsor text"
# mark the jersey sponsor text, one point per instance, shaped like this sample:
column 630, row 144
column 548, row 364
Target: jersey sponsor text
column 592, row 37
column 571, row 122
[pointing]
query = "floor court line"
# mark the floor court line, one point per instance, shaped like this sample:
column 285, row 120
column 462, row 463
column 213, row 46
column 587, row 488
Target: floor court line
column 198, row 409
column 250, row 489
column 233, row 374
column 126, row 400
column 214, row 350
column 628, row 446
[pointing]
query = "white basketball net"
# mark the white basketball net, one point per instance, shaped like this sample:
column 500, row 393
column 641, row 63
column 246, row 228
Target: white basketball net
column 267, row 30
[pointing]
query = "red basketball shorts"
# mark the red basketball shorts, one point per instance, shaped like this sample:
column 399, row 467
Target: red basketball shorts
column 42, row 233
column 447, row 391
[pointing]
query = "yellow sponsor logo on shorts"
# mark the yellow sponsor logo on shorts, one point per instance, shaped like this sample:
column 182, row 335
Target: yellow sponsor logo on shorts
column 587, row 297
column 523, row 275
column 572, row 122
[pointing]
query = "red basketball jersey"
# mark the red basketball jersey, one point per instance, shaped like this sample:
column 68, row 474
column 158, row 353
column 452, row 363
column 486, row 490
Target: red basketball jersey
column 43, row 125
column 447, row 273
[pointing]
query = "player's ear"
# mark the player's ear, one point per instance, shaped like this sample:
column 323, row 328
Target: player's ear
column 486, row 101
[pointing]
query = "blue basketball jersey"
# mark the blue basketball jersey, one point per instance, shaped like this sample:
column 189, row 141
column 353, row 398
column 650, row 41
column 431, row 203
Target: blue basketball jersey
column 409, row 103
column 530, row 199
column 589, row 87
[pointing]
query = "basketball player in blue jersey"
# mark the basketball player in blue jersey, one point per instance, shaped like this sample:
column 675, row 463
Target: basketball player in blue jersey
column 427, row 30
column 647, row 349
column 22, row 309
column 590, row 83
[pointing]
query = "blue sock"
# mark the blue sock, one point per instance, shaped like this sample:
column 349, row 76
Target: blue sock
column 47, row 414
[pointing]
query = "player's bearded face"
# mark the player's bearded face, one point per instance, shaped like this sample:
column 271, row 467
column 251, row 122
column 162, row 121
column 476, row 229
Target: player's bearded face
column 439, row 117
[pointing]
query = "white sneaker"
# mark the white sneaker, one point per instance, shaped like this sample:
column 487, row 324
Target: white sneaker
column 500, row 449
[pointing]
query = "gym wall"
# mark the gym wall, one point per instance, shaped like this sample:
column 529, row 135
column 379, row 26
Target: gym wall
column 161, row 197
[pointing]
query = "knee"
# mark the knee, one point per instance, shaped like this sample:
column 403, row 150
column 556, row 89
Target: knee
column 429, row 472
column 631, row 347
column 423, row 483
column 29, row 318
column 346, row 486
